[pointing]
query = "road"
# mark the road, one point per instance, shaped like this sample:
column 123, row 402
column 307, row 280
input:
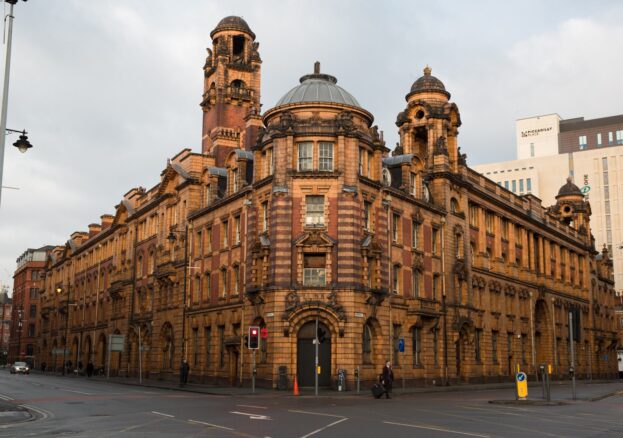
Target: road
column 77, row 407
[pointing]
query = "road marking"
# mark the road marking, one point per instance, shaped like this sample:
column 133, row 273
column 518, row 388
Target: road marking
column 252, row 406
column 6, row 397
column 341, row 418
column 210, row 424
column 74, row 391
column 439, row 429
column 251, row 416
column 315, row 413
column 323, row 428
column 164, row 415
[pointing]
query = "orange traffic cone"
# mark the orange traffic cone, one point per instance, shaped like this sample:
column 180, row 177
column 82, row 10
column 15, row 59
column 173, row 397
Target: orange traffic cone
column 296, row 386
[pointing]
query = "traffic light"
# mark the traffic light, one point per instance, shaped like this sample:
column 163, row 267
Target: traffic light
column 254, row 338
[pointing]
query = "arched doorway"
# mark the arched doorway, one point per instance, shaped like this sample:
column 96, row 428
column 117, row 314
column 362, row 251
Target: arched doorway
column 306, row 353
column 542, row 334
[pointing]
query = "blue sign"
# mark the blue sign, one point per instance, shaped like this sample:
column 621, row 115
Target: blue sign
column 521, row 377
column 401, row 345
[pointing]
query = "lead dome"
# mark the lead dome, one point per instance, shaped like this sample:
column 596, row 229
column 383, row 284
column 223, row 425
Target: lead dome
column 318, row 87
column 428, row 83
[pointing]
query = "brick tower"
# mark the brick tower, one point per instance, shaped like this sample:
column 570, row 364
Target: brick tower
column 231, row 98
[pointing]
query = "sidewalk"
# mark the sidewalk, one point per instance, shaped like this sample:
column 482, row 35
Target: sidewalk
column 560, row 391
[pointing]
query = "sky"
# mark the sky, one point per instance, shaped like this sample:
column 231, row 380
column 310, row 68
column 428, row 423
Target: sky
column 109, row 89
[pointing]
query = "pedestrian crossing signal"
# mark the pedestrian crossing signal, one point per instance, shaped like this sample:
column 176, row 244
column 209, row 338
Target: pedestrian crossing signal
column 254, row 338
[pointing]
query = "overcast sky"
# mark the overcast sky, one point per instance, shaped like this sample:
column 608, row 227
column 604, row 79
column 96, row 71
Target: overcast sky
column 109, row 89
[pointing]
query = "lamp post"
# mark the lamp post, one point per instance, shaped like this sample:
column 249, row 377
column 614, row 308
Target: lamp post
column 20, row 324
column 8, row 19
column 59, row 290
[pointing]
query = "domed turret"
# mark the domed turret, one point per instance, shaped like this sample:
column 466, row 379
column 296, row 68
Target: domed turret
column 569, row 189
column 318, row 87
column 428, row 83
column 233, row 23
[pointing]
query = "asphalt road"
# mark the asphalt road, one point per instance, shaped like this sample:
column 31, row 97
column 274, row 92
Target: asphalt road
column 77, row 407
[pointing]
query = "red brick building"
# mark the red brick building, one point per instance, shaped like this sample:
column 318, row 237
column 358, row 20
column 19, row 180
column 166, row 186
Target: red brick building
column 5, row 324
column 300, row 217
column 27, row 286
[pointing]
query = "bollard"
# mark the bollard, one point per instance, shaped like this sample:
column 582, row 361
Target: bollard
column 357, row 378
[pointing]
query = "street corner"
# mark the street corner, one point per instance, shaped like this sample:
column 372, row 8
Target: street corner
column 10, row 414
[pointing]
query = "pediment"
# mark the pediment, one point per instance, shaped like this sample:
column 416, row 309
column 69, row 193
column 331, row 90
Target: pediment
column 315, row 238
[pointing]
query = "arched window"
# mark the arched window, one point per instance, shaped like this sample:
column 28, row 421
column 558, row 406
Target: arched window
column 454, row 205
column 139, row 266
column 366, row 344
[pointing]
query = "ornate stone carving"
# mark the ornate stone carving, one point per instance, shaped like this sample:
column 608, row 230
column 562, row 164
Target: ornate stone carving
column 292, row 301
column 286, row 121
column 344, row 121
column 440, row 146
column 208, row 59
column 255, row 53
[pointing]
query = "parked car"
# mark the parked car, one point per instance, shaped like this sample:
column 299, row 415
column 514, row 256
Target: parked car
column 20, row 368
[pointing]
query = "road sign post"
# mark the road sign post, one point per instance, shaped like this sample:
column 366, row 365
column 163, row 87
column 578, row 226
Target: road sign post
column 522, row 385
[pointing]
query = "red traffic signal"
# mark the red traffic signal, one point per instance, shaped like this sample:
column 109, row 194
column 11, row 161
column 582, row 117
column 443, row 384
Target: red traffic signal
column 264, row 333
column 254, row 338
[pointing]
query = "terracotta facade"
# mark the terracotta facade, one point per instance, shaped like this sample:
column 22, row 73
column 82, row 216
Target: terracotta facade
column 300, row 217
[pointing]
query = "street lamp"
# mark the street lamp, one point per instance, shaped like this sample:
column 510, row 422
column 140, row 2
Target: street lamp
column 22, row 144
column 59, row 290
column 20, row 324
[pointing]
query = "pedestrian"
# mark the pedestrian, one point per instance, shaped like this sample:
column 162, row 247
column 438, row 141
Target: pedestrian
column 387, row 378
column 90, row 368
column 68, row 365
column 43, row 366
column 184, row 370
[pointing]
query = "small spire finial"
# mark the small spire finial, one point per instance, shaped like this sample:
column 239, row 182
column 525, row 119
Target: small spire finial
column 569, row 180
column 427, row 70
column 317, row 67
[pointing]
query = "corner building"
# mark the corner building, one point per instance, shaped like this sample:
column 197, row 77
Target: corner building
column 300, row 216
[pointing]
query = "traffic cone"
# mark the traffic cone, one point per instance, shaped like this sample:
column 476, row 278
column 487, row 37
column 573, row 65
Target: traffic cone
column 296, row 386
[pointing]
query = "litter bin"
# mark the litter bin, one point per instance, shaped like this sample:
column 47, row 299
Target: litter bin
column 282, row 383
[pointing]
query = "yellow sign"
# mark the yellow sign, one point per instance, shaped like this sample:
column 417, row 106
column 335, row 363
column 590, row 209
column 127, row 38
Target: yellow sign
column 522, row 385
column 318, row 369
column 549, row 368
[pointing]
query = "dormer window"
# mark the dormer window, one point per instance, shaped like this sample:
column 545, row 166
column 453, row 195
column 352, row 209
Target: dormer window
column 234, row 175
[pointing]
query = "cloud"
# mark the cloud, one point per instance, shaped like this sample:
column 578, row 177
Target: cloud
column 109, row 90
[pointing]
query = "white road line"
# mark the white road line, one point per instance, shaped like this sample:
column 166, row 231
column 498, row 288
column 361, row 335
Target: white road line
column 323, row 428
column 210, row 424
column 6, row 397
column 439, row 429
column 72, row 390
column 252, row 406
column 164, row 415
column 341, row 418
column 251, row 416
column 315, row 413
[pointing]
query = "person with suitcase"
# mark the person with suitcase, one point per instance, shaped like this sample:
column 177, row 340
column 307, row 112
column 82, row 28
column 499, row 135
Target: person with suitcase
column 387, row 378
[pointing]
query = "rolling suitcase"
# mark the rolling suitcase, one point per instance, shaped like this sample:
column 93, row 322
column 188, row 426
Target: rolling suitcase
column 377, row 390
